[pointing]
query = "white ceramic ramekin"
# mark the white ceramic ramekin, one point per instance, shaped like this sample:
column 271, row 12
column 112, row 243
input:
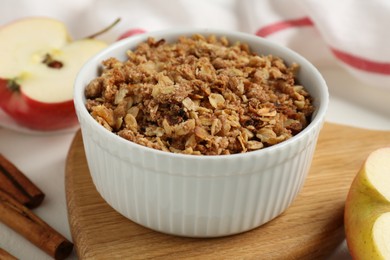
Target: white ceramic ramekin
column 199, row 196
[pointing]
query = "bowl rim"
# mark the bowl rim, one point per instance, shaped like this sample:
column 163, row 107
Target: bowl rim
column 316, row 122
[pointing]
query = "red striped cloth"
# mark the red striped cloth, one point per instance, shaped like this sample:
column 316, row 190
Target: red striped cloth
column 355, row 61
column 352, row 32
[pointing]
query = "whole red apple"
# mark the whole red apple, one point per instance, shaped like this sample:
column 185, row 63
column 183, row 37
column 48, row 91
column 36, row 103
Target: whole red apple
column 39, row 63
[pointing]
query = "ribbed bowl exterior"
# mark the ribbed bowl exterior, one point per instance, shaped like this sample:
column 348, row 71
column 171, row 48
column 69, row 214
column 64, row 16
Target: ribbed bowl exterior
column 197, row 196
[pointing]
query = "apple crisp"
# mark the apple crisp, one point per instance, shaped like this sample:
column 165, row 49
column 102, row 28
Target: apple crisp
column 200, row 95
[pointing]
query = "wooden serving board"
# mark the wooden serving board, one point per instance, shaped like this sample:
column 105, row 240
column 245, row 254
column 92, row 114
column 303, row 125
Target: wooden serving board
column 310, row 229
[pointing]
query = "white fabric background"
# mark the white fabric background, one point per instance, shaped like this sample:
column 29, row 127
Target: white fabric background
column 358, row 98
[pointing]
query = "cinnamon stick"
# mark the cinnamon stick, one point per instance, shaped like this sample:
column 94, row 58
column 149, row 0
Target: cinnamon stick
column 4, row 255
column 33, row 228
column 14, row 182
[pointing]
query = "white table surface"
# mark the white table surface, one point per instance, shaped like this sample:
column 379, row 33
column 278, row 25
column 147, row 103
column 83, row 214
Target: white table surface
column 42, row 157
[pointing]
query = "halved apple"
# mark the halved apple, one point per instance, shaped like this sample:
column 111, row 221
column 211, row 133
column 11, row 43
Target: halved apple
column 367, row 209
column 39, row 63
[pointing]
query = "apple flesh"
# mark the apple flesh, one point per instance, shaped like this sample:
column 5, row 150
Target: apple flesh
column 367, row 209
column 39, row 63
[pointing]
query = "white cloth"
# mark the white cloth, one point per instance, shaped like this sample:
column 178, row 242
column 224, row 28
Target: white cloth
column 346, row 39
column 352, row 31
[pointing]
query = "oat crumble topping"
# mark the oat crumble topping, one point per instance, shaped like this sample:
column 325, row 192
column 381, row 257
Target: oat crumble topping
column 199, row 95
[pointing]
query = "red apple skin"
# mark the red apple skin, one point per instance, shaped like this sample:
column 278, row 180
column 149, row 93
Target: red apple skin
column 130, row 33
column 34, row 114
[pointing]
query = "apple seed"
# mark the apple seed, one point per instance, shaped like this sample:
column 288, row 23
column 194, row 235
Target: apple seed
column 52, row 63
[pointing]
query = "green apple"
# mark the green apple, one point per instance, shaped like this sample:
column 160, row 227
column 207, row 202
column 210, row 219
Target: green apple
column 367, row 209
